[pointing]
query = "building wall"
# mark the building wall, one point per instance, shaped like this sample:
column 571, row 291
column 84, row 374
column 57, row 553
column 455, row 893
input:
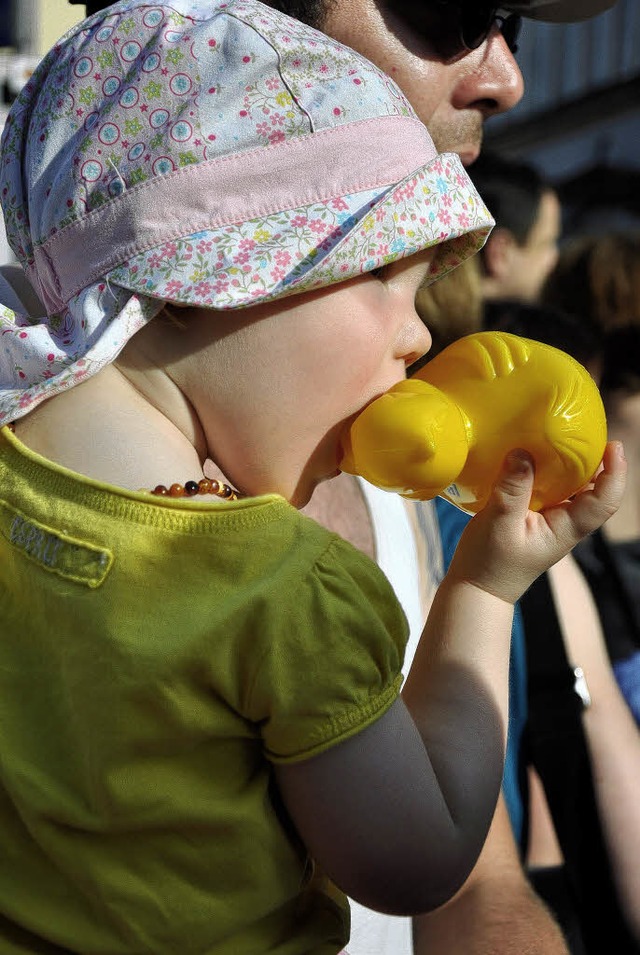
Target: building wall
column 569, row 64
column 37, row 24
column 55, row 18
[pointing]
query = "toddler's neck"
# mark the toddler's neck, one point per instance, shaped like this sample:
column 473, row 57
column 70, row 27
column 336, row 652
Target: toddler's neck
column 107, row 430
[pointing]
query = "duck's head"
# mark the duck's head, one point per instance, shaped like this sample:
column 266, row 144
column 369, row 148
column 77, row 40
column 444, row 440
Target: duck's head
column 412, row 440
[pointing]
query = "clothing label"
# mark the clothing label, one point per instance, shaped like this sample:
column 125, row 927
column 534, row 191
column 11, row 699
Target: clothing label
column 55, row 550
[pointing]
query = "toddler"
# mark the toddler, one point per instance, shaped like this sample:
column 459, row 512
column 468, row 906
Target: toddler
column 227, row 217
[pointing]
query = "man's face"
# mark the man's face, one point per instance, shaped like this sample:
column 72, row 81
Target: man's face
column 451, row 98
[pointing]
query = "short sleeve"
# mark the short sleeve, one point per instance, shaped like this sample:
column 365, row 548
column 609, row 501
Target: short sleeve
column 332, row 651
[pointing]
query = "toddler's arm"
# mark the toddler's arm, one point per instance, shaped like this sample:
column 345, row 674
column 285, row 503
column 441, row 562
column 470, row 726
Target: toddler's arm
column 397, row 815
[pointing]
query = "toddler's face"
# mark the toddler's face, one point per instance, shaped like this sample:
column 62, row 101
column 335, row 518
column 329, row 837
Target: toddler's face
column 276, row 388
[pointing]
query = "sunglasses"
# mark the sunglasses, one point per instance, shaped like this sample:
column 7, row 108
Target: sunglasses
column 454, row 27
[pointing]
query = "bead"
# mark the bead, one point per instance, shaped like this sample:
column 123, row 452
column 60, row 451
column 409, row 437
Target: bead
column 191, row 488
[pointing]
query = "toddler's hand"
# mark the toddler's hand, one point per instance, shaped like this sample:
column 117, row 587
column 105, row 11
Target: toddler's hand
column 506, row 546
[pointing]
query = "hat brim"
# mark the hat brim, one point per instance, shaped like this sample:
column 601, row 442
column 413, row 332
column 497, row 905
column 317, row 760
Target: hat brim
column 435, row 206
column 307, row 247
column 559, row 11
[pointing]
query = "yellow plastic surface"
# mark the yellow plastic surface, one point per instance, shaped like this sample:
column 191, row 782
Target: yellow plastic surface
column 447, row 430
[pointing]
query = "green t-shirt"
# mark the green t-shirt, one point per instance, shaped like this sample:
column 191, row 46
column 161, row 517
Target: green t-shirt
column 156, row 656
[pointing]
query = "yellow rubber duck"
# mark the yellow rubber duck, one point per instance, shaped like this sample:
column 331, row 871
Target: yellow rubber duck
column 447, row 430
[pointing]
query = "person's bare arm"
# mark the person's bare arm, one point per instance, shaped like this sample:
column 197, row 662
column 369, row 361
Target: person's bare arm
column 543, row 848
column 496, row 912
column 612, row 735
column 397, row 814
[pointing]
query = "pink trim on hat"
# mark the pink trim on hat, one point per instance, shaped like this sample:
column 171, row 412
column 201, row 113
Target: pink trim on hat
column 230, row 189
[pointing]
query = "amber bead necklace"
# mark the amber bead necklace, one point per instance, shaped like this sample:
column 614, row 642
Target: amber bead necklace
column 189, row 488
column 193, row 488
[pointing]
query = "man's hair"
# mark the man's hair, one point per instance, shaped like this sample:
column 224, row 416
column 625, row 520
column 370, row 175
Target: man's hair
column 311, row 12
column 513, row 192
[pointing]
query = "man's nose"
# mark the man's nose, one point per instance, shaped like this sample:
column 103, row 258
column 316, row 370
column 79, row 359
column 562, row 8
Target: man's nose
column 493, row 84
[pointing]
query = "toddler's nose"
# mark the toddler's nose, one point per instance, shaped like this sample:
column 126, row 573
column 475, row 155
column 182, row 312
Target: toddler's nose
column 417, row 342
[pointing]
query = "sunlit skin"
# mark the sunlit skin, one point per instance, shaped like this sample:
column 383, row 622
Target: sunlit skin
column 314, row 361
column 452, row 99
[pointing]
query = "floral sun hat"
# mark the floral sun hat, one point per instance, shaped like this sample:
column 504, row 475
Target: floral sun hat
column 207, row 152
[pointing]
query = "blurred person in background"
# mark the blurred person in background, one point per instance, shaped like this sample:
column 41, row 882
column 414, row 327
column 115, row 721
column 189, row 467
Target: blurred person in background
column 514, row 263
column 580, row 831
column 581, row 742
column 523, row 247
column 598, row 279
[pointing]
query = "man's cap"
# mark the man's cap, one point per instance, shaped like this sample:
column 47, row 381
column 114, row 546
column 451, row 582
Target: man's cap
column 558, row 11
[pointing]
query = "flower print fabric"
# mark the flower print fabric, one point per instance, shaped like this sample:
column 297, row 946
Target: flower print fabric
column 211, row 153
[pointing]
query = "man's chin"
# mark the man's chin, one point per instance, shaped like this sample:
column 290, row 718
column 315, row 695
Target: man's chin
column 468, row 156
column 465, row 139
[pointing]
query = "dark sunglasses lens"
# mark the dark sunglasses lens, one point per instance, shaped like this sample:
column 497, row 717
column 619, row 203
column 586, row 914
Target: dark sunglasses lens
column 453, row 27
column 475, row 25
column 510, row 29
column 437, row 22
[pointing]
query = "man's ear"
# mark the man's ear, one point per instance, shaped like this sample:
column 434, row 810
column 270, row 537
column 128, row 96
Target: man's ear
column 497, row 253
